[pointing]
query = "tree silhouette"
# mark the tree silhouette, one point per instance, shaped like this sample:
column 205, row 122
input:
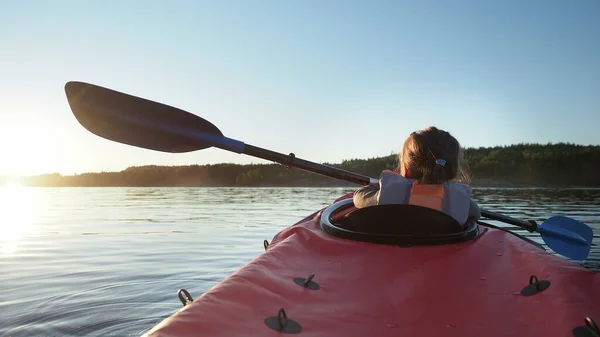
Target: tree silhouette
column 561, row 164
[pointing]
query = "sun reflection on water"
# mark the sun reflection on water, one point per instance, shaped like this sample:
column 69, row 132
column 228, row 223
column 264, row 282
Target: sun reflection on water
column 18, row 208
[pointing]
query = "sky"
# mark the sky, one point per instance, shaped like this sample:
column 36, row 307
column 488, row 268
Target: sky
column 328, row 80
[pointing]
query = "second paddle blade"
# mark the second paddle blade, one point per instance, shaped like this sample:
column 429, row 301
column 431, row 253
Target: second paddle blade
column 136, row 121
column 567, row 237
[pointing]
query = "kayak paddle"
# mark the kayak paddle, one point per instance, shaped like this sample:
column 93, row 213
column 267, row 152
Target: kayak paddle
column 147, row 124
column 143, row 123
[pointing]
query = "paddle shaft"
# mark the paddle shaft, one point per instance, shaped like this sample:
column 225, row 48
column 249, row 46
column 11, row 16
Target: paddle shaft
column 289, row 160
column 532, row 227
column 292, row 161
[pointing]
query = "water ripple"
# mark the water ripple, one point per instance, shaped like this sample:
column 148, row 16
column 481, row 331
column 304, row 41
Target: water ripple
column 109, row 261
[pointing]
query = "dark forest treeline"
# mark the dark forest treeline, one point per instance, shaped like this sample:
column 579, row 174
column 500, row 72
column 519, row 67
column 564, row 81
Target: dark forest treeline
column 516, row 165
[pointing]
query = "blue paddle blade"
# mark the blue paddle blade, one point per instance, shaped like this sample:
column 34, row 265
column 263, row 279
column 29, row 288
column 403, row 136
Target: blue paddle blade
column 567, row 237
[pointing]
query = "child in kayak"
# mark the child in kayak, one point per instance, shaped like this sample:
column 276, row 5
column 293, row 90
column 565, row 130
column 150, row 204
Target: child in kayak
column 430, row 162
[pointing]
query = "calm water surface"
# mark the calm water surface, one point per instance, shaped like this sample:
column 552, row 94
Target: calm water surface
column 109, row 261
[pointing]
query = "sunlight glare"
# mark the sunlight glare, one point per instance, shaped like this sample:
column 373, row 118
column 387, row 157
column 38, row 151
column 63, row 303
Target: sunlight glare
column 18, row 207
column 27, row 153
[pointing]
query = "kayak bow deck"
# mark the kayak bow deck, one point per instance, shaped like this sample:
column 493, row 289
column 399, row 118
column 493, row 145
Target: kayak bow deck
column 327, row 276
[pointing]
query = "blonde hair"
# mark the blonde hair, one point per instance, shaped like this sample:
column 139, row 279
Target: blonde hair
column 421, row 152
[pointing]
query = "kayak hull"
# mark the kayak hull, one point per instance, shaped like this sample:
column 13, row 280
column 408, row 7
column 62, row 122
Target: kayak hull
column 471, row 288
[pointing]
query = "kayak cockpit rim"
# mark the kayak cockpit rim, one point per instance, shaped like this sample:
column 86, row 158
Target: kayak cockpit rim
column 402, row 225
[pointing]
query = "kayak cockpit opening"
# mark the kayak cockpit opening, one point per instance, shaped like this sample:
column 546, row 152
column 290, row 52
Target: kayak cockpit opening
column 403, row 225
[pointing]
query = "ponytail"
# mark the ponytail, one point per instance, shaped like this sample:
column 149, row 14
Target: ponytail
column 432, row 156
column 434, row 170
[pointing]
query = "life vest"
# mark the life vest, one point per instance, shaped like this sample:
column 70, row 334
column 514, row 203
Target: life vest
column 427, row 195
column 451, row 198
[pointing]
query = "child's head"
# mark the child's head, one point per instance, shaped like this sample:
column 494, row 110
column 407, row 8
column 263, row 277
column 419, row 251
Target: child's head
column 432, row 156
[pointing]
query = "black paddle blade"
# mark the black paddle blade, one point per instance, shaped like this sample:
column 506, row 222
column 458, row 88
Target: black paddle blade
column 137, row 121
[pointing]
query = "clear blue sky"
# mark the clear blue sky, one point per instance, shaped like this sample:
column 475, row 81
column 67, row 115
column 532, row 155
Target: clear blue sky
column 328, row 80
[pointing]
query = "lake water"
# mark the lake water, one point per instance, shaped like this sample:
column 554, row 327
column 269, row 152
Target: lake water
column 109, row 261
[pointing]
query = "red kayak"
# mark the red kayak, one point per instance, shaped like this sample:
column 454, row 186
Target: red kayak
column 347, row 272
column 387, row 270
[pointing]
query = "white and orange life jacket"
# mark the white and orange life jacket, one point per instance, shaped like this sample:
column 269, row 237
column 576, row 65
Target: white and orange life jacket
column 453, row 199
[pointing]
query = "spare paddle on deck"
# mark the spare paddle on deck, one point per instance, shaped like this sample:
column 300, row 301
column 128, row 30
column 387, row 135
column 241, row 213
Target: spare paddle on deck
column 143, row 123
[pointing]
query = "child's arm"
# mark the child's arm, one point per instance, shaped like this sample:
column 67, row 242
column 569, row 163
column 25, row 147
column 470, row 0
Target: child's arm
column 474, row 212
column 366, row 196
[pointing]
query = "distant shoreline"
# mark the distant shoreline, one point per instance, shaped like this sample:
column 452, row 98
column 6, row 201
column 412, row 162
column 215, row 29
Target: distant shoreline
column 518, row 166
column 476, row 183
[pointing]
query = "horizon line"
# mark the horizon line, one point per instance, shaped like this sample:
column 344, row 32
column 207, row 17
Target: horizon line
column 13, row 176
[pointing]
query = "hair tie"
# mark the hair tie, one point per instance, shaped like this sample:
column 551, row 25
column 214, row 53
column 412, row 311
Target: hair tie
column 441, row 162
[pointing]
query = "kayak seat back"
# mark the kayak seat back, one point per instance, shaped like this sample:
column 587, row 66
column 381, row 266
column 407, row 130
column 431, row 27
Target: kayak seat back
column 400, row 219
column 398, row 224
